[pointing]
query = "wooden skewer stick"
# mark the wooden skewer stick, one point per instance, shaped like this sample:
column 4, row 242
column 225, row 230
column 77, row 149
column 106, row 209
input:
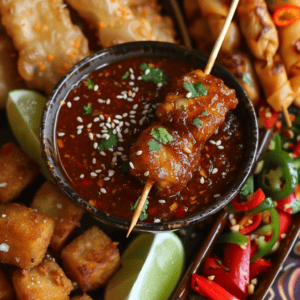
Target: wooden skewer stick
column 286, row 115
column 208, row 68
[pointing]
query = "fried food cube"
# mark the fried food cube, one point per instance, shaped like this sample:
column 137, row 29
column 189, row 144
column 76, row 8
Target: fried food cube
column 91, row 259
column 6, row 290
column 17, row 171
column 9, row 76
column 47, row 40
column 49, row 200
column 82, row 297
column 24, row 235
column 47, row 281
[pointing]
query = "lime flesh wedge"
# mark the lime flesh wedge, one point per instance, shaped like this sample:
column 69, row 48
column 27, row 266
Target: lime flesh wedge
column 151, row 268
column 24, row 110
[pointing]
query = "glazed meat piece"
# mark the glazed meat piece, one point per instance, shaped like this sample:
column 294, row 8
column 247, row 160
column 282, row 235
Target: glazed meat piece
column 47, row 41
column 187, row 122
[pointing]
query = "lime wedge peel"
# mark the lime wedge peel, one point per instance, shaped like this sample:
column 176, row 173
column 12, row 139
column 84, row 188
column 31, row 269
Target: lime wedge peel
column 24, row 110
column 152, row 266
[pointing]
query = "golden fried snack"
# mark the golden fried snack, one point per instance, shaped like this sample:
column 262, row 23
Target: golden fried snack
column 275, row 83
column 258, row 29
column 6, row 290
column 47, row 281
column 274, row 4
column 119, row 22
column 191, row 9
column 17, row 171
column 9, row 76
column 47, row 41
column 49, row 200
column 24, row 235
column 83, row 297
column 91, row 259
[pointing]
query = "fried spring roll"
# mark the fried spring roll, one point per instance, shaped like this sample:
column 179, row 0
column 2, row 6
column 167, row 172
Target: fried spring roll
column 275, row 83
column 258, row 29
column 47, row 41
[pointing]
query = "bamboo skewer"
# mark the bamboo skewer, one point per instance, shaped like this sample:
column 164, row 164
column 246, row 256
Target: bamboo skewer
column 149, row 183
column 286, row 115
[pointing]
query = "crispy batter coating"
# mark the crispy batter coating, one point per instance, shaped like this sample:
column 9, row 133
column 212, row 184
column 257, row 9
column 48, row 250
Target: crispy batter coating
column 121, row 21
column 47, row 41
column 91, row 259
column 50, row 201
column 47, row 281
column 24, row 235
column 18, row 170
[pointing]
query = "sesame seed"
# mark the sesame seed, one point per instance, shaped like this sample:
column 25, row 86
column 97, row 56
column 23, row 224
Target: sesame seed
column 124, row 115
column 61, row 134
column 96, row 119
column 132, row 112
column 89, row 125
column 80, row 126
column 135, row 106
column 106, row 179
column 187, row 150
column 125, row 96
column 133, row 95
column 139, row 152
column 108, row 125
column 157, row 220
column 91, row 136
column 79, row 119
column 101, row 101
column 109, row 119
column 102, row 117
column 102, row 190
column 103, row 153
column 126, row 130
column 159, row 85
column 79, row 131
column 114, row 131
column 121, row 124
column 118, row 117
column 116, row 121
column 141, row 122
column 215, row 170
column 81, row 176
column 94, row 160
column 69, row 104
column 132, row 116
column 121, row 140
column 98, row 171
column 76, row 98
column 111, row 173
column 4, row 247
column 114, row 159
column 132, row 77
column 96, row 87
column 119, row 97
column 146, row 173
column 118, row 129
column 202, row 180
column 131, row 165
column 217, row 195
column 119, row 153
column 108, row 101
column 133, row 121
column 162, row 201
column 120, row 148
column 129, row 99
column 131, row 83
column 139, row 78
column 189, row 95
column 147, row 71
column 120, row 135
column 130, row 70
column 93, row 174
column 212, row 142
column 113, row 125
column 98, row 135
column 127, row 123
column 218, row 143
column 221, row 147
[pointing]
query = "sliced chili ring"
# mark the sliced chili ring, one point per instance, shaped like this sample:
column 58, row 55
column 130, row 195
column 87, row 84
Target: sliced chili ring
column 256, row 220
column 252, row 201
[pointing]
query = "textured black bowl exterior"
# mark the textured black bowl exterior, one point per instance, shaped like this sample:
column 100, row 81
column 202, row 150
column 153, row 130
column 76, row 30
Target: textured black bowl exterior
column 119, row 53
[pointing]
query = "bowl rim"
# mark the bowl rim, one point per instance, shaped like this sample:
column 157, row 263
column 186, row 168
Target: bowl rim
column 148, row 48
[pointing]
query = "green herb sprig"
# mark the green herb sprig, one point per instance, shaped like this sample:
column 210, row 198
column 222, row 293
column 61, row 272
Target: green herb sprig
column 111, row 142
column 143, row 215
column 156, row 75
column 196, row 89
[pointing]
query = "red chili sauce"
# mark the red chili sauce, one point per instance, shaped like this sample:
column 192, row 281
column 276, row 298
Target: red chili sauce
column 115, row 102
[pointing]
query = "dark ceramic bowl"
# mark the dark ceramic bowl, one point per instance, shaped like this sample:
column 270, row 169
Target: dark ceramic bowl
column 119, row 53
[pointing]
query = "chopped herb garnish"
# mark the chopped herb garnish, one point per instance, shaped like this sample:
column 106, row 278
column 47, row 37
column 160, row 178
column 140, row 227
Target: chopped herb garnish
column 247, row 189
column 111, row 142
column 246, row 79
column 183, row 107
column 156, row 75
column 161, row 135
column 143, row 215
column 87, row 109
column 125, row 167
column 90, row 83
column 125, row 75
column 154, row 146
column 197, row 122
column 204, row 114
column 196, row 89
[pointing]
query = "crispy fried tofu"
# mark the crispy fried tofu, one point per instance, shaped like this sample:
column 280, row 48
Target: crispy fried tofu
column 91, row 259
column 24, row 235
column 17, row 171
column 6, row 290
column 47, row 281
column 82, row 297
column 50, row 201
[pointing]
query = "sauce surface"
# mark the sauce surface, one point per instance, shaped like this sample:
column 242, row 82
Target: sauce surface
column 115, row 104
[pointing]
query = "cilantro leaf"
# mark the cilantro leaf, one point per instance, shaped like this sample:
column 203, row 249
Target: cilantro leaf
column 125, row 75
column 197, row 89
column 161, row 135
column 112, row 141
column 125, row 167
column 90, row 83
column 246, row 79
column 197, row 122
column 143, row 215
column 183, row 107
column 247, row 189
column 87, row 109
column 156, row 75
column 154, row 146
column 204, row 114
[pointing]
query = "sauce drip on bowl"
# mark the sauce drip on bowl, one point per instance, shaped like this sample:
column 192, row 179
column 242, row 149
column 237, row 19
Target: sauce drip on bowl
column 114, row 104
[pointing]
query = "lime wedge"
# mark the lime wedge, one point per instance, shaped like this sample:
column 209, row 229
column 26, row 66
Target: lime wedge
column 24, row 110
column 151, row 268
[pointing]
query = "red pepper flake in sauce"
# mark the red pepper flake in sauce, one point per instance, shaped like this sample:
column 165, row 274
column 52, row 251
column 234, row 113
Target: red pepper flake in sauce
column 97, row 162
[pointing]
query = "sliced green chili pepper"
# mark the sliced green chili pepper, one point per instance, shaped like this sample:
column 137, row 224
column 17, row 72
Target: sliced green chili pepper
column 265, row 247
column 286, row 169
column 297, row 163
column 233, row 238
column 267, row 204
column 277, row 142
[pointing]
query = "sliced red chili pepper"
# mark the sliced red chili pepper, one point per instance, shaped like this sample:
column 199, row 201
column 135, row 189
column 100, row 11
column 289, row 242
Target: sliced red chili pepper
column 180, row 213
column 297, row 149
column 285, row 221
column 292, row 11
column 255, row 222
column 152, row 211
column 258, row 267
column 252, row 201
column 269, row 116
column 210, row 289
column 284, row 204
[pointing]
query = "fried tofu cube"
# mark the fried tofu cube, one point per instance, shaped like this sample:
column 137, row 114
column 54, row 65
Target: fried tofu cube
column 6, row 290
column 17, row 171
column 91, row 259
column 50, row 201
column 82, row 297
column 24, row 235
column 47, row 281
